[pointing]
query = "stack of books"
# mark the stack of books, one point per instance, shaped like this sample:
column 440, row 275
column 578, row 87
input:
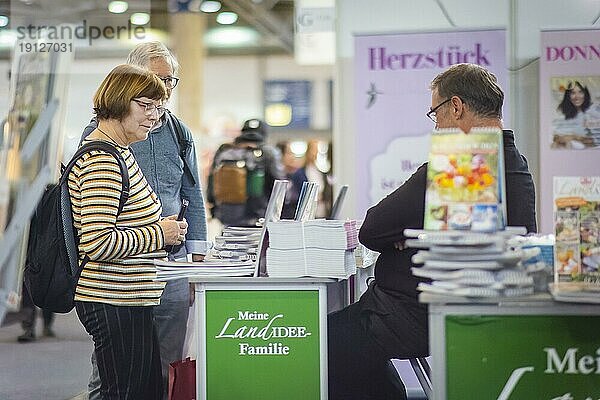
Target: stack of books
column 470, row 264
column 315, row 248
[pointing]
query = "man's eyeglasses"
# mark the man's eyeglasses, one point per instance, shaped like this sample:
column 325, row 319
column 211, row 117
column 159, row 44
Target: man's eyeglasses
column 169, row 81
column 149, row 108
column 432, row 111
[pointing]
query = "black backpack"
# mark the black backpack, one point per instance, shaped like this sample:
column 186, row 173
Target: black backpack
column 238, row 174
column 52, row 265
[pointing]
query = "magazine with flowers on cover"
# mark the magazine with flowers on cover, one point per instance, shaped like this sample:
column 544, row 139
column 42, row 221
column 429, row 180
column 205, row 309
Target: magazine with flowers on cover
column 465, row 181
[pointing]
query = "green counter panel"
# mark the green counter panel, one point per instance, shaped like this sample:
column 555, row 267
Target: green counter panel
column 262, row 344
column 542, row 357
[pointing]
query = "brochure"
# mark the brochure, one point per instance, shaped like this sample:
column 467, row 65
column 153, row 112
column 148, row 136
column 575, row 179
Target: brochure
column 577, row 230
column 465, row 181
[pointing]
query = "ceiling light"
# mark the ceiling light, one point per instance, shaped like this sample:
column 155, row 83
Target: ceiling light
column 140, row 18
column 231, row 36
column 227, row 18
column 278, row 114
column 3, row 21
column 209, row 6
column 118, row 7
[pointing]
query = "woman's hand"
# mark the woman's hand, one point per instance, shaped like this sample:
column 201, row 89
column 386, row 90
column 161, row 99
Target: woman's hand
column 173, row 230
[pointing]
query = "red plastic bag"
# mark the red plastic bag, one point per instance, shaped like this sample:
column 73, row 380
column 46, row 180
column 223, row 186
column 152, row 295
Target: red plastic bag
column 182, row 380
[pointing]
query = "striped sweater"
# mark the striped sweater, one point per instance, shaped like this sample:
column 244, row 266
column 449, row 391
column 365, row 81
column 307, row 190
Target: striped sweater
column 95, row 186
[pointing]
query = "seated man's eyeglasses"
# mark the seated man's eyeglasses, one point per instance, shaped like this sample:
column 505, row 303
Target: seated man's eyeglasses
column 432, row 111
column 169, row 81
column 149, row 108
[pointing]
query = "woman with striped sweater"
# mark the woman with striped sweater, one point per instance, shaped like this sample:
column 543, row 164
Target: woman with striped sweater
column 115, row 296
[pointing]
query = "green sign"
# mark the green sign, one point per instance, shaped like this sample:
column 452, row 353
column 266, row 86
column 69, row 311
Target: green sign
column 262, row 344
column 523, row 357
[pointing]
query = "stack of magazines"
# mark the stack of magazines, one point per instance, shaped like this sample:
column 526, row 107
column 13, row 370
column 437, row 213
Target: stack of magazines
column 315, row 248
column 167, row 270
column 236, row 244
column 470, row 264
column 586, row 290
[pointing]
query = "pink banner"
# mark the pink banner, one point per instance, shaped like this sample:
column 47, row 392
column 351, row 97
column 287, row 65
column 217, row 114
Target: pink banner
column 569, row 111
column 392, row 96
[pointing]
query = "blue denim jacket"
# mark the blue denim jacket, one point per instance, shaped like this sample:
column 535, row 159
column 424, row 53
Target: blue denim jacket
column 158, row 157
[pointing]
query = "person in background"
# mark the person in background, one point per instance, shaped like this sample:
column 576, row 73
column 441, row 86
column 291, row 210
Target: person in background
column 388, row 321
column 580, row 127
column 168, row 161
column 296, row 177
column 242, row 176
column 29, row 311
column 114, row 300
column 314, row 174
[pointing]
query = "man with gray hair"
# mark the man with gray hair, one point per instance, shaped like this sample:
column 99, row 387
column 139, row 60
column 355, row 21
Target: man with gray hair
column 168, row 161
column 388, row 321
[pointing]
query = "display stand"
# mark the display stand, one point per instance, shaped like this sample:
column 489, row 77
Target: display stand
column 261, row 338
column 513, row 348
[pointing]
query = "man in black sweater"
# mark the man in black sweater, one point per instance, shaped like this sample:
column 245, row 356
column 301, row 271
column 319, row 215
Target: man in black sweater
column 388, row 321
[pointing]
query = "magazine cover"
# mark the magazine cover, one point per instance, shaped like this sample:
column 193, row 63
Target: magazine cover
column 576, row 121
column 576, row 228
column 465, row 182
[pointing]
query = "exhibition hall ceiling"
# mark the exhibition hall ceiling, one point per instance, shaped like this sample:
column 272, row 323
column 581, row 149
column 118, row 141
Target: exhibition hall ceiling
column 267, row 26
column 261, row 27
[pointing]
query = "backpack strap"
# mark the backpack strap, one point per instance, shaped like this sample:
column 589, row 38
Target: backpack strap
column 108, row 148
column 182, row 142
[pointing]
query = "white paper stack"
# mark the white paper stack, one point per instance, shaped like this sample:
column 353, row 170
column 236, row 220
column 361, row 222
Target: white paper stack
column 468, row 264
column 318, row 233
column 315, row 248
column 167, row 270
column 318, row 263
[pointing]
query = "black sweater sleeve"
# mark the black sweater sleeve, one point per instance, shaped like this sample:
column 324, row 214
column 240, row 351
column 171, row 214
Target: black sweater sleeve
column 404, row 208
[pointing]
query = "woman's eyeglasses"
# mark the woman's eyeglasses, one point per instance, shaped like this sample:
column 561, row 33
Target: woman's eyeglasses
column 149, row 108
column 169, row 81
